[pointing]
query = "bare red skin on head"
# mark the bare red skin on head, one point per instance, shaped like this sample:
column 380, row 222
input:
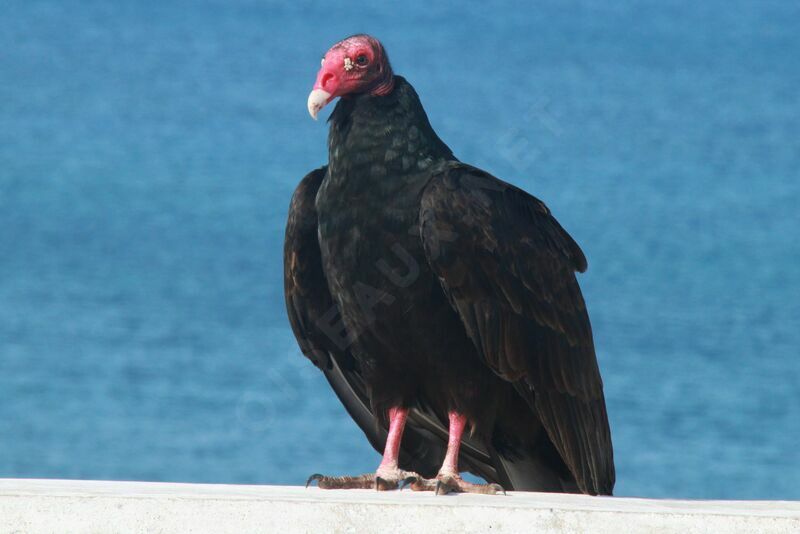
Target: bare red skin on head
column 342, row 74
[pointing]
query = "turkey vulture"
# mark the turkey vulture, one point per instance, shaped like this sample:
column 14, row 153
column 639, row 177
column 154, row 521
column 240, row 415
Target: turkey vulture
column 440, row 302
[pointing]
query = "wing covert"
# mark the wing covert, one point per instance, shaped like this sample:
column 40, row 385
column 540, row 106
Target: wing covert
column 508, row 268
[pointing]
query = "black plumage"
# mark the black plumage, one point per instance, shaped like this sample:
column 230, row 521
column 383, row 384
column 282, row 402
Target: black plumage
column 415, row 280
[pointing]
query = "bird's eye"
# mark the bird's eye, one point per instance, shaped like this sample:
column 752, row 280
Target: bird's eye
column 362, row 60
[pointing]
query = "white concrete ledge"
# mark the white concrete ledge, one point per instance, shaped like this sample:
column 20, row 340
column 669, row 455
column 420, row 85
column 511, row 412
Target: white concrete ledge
column 96, row 506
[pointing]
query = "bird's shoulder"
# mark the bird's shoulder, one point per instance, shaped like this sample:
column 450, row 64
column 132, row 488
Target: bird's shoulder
column 471, row 202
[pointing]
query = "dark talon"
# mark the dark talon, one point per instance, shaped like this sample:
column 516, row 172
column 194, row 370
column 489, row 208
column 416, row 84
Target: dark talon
column 445, row 488
column 315, row 476
column 498, row 488
column 381, row 484
column 406, row 481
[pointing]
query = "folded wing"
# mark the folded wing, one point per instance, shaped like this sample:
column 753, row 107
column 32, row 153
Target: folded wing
column 508, row 268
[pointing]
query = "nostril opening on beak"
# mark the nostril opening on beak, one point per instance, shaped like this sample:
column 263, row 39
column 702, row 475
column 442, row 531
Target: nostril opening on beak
column 326, row 79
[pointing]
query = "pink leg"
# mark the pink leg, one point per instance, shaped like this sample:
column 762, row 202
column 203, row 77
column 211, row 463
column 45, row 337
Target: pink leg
column 389, row 475
column 391, row 453
column 449, row 480
column 457, row 424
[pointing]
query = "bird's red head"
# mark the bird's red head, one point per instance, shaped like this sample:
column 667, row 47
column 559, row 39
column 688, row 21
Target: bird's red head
column 355, row 65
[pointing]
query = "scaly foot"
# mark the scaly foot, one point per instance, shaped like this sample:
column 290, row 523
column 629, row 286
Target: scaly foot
column 445, row 483
column 381, row 480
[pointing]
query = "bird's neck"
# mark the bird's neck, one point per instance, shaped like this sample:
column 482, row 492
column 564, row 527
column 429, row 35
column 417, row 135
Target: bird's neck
column 384, row 85
column 379, row 138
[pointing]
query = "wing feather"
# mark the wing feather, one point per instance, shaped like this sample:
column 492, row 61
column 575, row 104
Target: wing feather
column 508, row 268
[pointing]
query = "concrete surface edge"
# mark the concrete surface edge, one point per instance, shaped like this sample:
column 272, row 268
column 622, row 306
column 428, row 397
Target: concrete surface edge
column 36, row 505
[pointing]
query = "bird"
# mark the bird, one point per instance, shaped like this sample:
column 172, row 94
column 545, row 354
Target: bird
column 440, row 302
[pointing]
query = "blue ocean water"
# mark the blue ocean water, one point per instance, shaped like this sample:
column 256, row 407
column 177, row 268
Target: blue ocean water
column 148, row 151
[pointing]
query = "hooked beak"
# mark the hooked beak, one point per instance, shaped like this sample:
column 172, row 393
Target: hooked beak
column 318, row 99
column 327, row 86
